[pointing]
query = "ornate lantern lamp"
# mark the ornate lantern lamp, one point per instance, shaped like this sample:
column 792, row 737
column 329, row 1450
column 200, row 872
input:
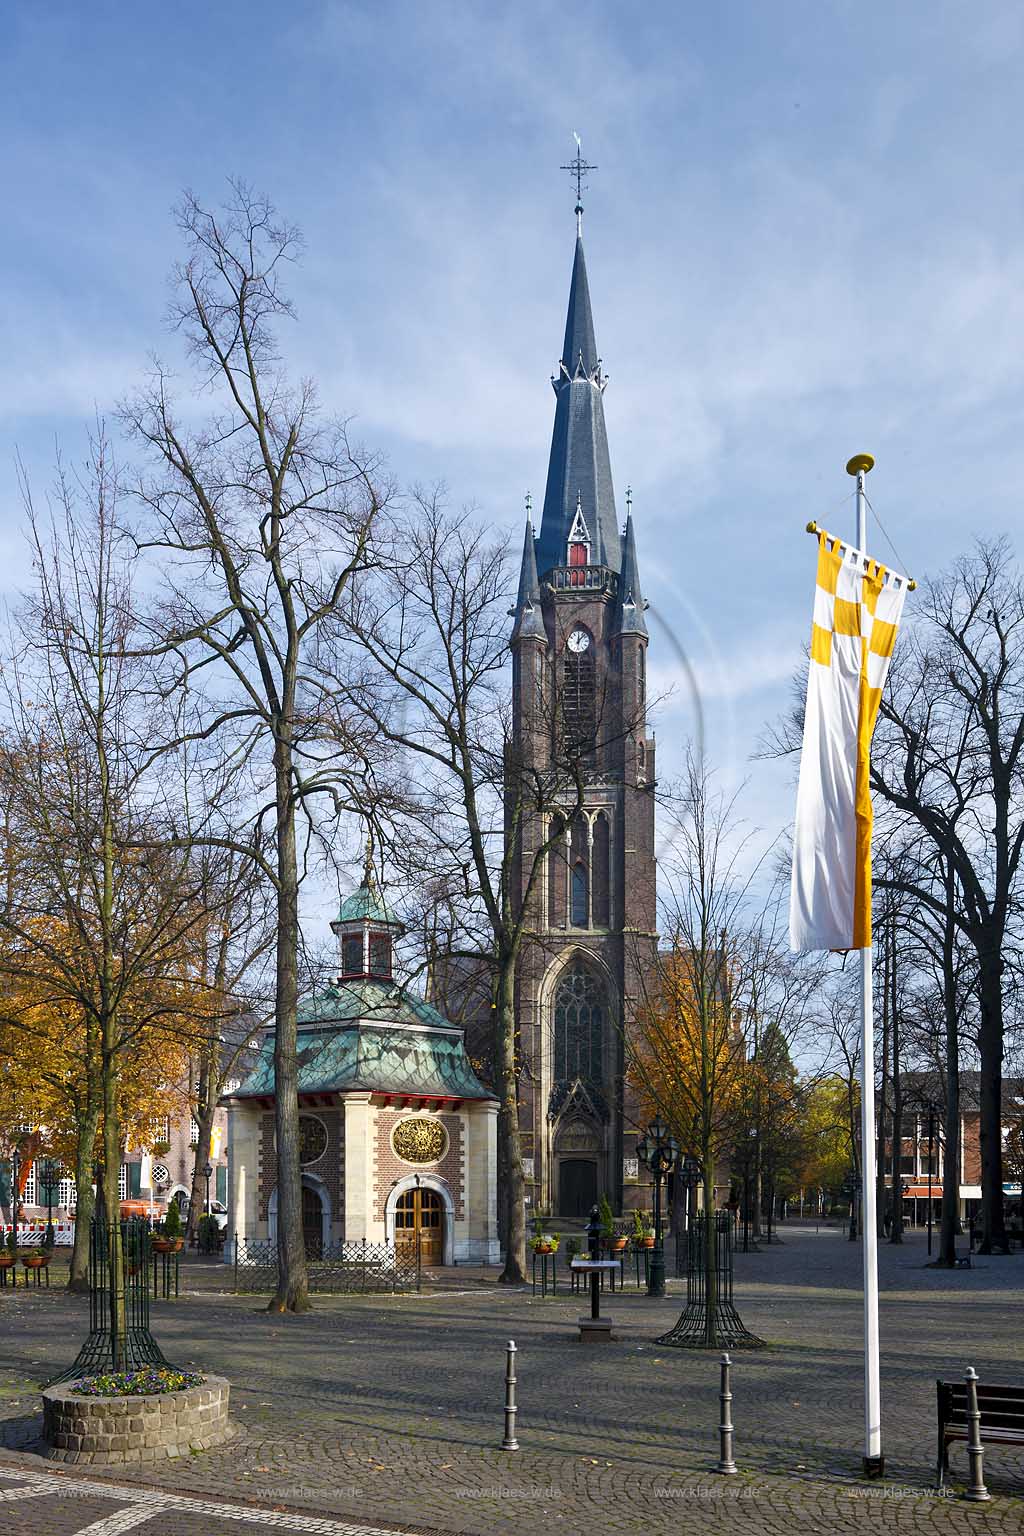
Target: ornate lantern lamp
column 658, row 1150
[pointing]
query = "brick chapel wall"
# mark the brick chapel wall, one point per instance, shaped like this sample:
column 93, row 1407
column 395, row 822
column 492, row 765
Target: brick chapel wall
column 330, row 1167
column 389, row 1167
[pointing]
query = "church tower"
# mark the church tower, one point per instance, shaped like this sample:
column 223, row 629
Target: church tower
column 579, row 646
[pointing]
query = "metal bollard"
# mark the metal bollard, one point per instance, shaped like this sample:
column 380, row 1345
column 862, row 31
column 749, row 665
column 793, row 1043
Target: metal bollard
column 976, row 1490
column 510, row 1443
column 725, row 1461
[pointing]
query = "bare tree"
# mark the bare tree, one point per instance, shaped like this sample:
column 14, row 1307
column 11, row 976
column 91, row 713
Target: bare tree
column 949, row 756
column 483, row 794
column 262, row 513
column 234, row 940
column 948, row 761
column 104, row 924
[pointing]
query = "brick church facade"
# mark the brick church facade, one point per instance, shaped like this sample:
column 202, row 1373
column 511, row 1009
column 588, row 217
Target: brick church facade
column 579, row 646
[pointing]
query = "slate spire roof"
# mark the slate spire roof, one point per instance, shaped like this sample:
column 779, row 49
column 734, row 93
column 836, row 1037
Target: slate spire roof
column 631, row 611
column 579, row 469
column 529, row 624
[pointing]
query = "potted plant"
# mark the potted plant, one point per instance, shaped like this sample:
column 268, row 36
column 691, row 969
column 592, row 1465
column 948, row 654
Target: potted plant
column 614, row 1241
column 541, row 1240
column 169, row 1239
column 643, row 1231
column 572, row 1248
column 36, row 1259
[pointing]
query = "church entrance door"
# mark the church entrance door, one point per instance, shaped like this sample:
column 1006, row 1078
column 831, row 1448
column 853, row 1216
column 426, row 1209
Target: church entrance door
column 577, row 1186
column 419, row 1217
column 312, row 1223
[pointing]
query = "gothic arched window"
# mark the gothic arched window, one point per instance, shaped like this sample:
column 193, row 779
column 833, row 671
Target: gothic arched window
column 600, row 874
column 579, row 1026
column 578, row 905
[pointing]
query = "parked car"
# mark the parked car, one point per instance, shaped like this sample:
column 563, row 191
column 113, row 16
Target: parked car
column 219, row 1212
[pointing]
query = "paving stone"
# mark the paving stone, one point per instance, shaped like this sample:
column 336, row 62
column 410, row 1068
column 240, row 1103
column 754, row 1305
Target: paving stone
column 390, row 1408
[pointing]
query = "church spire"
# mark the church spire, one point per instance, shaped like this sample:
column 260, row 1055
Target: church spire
column 529, row 625
column 631, row 611
column 579, row 469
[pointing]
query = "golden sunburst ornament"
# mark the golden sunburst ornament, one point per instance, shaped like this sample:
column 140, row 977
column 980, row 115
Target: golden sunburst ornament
column 418, row 1140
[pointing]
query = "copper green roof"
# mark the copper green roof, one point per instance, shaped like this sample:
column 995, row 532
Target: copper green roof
column 370, row 999
column 362, row 1045
column 364, row 904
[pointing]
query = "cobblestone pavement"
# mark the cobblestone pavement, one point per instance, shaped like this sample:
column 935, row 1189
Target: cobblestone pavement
column 388, row 1410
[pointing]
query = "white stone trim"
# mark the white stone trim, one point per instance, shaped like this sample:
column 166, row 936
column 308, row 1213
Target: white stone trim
column 439, row 1186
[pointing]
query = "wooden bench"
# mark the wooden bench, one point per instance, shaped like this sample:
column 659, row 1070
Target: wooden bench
column 1002, row 1417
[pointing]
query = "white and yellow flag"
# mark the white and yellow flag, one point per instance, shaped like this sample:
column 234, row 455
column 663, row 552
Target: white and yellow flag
column 857, row 608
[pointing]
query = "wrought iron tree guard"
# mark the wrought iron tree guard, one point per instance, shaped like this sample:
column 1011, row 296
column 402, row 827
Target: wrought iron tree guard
column 729, row 1331
column 119, row 1337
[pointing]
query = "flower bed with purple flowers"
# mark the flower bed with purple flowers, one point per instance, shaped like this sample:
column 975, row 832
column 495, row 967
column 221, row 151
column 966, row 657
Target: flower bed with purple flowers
column 148, row 1382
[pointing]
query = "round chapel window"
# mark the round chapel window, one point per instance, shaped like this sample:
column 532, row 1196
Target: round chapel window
column 312, row 1139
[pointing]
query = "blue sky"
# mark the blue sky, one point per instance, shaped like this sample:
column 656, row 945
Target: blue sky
column 803, row 240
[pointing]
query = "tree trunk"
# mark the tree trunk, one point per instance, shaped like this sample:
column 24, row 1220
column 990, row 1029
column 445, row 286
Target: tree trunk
column 950, row 1221
column 111, row 1192
column 990, row 1043
column 85, row 1160
column 896, row 1232
column 755, row 1197
column 710, row 1251
column 206, row 1109
column 292, row 1294
column 511, row 1152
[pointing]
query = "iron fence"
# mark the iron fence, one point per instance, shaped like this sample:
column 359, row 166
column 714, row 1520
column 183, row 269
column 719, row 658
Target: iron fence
column 333, row 1267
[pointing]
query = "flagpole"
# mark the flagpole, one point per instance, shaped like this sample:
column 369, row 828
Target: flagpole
column 873, row 1460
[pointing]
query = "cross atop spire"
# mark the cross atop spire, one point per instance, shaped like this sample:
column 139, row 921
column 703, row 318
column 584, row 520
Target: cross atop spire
column 578, row 168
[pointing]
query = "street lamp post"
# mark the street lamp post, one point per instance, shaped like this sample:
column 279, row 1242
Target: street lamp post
column 49, row 1174
column 691, row 1173
column 931, row 1142
column 15, row 1170
column 208, row 1174
column 658, row 1149
column 751, row 1143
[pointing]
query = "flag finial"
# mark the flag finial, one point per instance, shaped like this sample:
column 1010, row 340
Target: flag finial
column 860, row 461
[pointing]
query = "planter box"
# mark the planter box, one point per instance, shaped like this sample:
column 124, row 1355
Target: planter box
column 109, row 1431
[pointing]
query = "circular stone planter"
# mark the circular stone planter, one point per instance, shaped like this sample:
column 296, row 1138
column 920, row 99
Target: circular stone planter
column 109, row 1431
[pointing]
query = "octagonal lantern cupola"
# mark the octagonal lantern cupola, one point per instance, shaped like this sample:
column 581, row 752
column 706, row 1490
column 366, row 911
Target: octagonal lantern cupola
column 366, row 931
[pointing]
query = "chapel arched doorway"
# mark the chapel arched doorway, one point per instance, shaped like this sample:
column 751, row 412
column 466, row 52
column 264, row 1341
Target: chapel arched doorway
column 312, row 1222
column 419, row 1216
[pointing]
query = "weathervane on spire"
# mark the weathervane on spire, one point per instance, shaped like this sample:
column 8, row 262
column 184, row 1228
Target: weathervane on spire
column 578, row 168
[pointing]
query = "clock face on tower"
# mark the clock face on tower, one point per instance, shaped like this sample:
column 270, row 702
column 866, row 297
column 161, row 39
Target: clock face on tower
column 578, row 640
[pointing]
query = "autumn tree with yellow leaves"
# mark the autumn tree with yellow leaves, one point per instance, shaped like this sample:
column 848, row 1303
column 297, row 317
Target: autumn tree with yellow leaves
column 108, row 902
column 686, row 1055
column 724, row 1001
